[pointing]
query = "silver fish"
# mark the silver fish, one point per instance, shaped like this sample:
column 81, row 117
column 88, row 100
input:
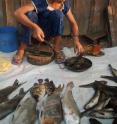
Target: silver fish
column 25, row 112
column 93, row 101
column 70, row 108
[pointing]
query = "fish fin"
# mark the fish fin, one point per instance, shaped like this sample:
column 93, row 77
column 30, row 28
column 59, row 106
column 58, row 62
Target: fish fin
column 59, row 88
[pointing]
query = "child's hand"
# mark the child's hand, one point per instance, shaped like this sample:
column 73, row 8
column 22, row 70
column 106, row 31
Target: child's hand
column 39, row 34
column 78, row 49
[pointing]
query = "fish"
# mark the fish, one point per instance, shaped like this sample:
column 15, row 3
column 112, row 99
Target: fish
column 38, row 90
column 9, row 106
column 93, row 101
column 50, row 86
column 4, row 93
column 25, row 112
column 42, row 88
column 50, row 108
column 102, row 102
column 94, row 121
column 70, row 108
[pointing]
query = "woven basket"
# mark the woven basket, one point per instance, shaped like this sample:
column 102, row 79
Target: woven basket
column 40, row 54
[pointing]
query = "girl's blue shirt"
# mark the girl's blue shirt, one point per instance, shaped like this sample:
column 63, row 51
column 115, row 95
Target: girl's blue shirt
column 41, row 5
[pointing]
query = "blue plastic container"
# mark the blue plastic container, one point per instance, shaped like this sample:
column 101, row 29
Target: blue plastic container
column 8, row 39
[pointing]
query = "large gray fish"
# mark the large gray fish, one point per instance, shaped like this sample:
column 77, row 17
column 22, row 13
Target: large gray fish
column 10, row 105
column 94, row 121
column 110, row 91
column 6, row 91
column 70, row 108
column 25, row 112
column 50, row 108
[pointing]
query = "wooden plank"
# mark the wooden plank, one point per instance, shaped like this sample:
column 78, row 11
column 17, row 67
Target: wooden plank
column 23, row 2
column 81, row 10
column 97, row 23
column 112, row 14
column 1, row 13
column 9, row 12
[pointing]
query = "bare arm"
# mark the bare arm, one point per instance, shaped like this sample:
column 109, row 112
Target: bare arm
column 73, row 23
column 79, row 49
column 20, row 14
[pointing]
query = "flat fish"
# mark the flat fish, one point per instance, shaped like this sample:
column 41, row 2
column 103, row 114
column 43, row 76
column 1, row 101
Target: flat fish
column 70, row 109
column 25, row 112
column 50, row 110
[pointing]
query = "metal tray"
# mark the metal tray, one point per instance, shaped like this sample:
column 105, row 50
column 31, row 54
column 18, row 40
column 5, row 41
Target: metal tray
column 77, row 64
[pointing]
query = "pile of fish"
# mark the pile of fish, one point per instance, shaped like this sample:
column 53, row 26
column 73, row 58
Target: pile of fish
column 103, row 104
column 53, row 107
column 48, row 104
column 45, row 104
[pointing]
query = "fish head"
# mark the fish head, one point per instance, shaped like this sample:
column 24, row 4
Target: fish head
column 38, row 90
column 70, row 85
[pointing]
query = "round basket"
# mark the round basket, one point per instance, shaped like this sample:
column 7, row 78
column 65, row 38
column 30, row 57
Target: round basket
column 41, row 54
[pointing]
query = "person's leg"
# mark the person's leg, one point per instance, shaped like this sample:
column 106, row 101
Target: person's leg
column 56, row 31
column 26, row 36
